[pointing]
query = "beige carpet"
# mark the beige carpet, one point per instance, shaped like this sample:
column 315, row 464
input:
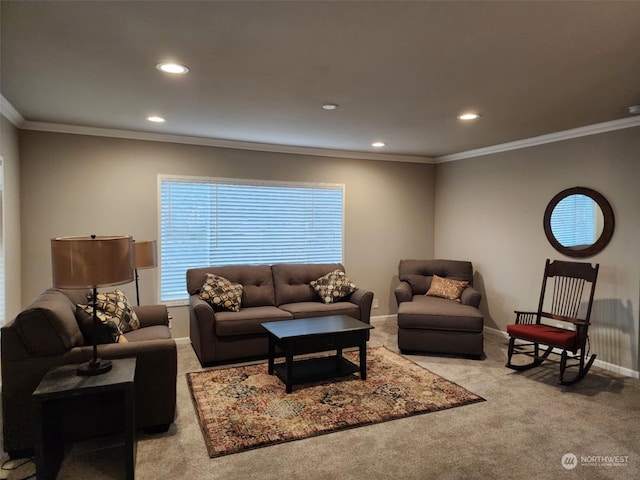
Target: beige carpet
column 522, row 431
column 241, row 408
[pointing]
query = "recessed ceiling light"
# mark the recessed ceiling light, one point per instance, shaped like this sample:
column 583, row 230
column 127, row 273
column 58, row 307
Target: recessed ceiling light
column 329, row 106
column 469, row 116
column 156, row 119
column 172, row 68
column 378, row 144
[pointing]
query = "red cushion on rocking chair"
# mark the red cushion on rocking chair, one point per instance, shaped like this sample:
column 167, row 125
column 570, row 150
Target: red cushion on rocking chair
column 557, row 337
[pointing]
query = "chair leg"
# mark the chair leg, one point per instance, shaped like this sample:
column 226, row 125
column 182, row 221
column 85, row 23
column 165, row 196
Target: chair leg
column 582, row 368
column 538, row 359
column 510, row 351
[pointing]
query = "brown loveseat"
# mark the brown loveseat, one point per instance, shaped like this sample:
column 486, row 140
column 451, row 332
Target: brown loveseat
column 47, row 334
column 270, row 293
column 434, row 324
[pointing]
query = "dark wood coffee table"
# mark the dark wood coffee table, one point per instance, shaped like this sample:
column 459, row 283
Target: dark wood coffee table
column 313, row 335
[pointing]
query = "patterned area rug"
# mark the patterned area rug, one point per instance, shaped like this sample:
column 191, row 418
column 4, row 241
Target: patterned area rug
column 241, row 408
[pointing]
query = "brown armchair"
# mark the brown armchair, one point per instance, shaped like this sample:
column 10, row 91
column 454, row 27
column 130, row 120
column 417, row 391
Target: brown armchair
column 46, row 334
column 434, row 324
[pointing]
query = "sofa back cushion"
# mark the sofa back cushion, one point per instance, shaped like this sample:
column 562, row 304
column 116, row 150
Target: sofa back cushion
column 291, row 280
column 419, row 273
column 48, row 326
column 256, row 281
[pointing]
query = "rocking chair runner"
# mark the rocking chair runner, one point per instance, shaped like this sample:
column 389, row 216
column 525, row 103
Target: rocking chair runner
column 561, row 306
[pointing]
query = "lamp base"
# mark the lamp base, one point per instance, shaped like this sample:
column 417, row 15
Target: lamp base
column 94, row 367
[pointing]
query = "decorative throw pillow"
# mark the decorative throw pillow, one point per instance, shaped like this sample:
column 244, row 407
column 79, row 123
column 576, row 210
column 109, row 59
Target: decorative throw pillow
column 107, row 331
column 333, row 286
column 118, row 307
column 221, row 294
column 446, row 288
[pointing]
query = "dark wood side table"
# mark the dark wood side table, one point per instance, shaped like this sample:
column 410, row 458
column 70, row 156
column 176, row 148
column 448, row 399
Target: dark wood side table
column 62, row 384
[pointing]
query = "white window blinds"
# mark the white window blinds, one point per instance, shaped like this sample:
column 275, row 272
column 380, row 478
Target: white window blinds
column 225, row 222
column 573, row 221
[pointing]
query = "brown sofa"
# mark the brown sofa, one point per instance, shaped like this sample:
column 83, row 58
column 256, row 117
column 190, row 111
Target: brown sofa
column 47, row 334
column 270, row 293
column 434, row 324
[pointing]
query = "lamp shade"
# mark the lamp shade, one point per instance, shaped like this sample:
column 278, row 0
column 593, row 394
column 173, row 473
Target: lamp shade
column 93, row 261
column 144, row 254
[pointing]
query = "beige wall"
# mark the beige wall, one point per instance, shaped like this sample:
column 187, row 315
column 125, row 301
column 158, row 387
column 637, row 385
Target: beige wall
column 11, row 187
column 78, row 185
column 489, row 210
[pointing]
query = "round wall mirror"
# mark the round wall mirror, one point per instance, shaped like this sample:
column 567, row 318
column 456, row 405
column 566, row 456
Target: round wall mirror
column 579, row 222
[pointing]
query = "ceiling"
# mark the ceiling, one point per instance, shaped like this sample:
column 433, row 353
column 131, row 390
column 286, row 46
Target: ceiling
column 401, row 72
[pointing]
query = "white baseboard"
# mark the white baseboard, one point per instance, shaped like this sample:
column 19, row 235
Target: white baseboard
column 627, row 372
column 495, row 331
column 611, row 367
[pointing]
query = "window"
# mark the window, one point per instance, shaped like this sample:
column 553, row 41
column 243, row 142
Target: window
column 214, row 221
column 574, row 221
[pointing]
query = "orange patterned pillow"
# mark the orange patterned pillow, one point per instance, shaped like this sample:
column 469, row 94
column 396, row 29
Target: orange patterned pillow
column 446, row 288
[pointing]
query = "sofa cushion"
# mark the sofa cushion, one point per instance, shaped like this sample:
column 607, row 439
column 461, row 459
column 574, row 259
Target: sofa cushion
column 48, row 326
column 333, row 286
column 544, row 334
column 446, row 288
column 434, row 313
column 154, row 332
column 247, row 321
column 221, row 294
column 256, row 281
column 318, row 309
column 292, row 280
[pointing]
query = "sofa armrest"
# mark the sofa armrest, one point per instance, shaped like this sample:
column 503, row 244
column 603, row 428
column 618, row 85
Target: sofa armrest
column 156, row 374
column 152, row 315
column 403, row 292
column 363, row 299
column 202, row 328
column 470, row 296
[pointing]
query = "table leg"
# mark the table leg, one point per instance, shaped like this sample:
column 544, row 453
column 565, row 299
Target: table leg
column 272, row 354
column 363, row 358
column 49, row 447
column 129, row 431
column 289, row 366
column 338, row 359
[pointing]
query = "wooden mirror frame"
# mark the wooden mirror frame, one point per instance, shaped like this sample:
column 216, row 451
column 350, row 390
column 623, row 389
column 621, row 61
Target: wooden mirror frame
column 607, row 230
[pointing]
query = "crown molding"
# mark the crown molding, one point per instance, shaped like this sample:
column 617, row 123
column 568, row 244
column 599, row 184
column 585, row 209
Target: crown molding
column 7, row 110
column 17, row 119
column 214, row 142
column 542, row 139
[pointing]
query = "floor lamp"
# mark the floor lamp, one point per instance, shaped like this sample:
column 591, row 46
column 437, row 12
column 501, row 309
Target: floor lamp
column 92, row 262
column 144, row 256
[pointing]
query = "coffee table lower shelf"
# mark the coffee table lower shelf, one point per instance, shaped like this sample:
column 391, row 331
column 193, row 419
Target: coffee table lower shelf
column 317, row 368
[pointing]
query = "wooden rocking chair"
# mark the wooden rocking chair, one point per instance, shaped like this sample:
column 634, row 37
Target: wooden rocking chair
column 558, row 309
